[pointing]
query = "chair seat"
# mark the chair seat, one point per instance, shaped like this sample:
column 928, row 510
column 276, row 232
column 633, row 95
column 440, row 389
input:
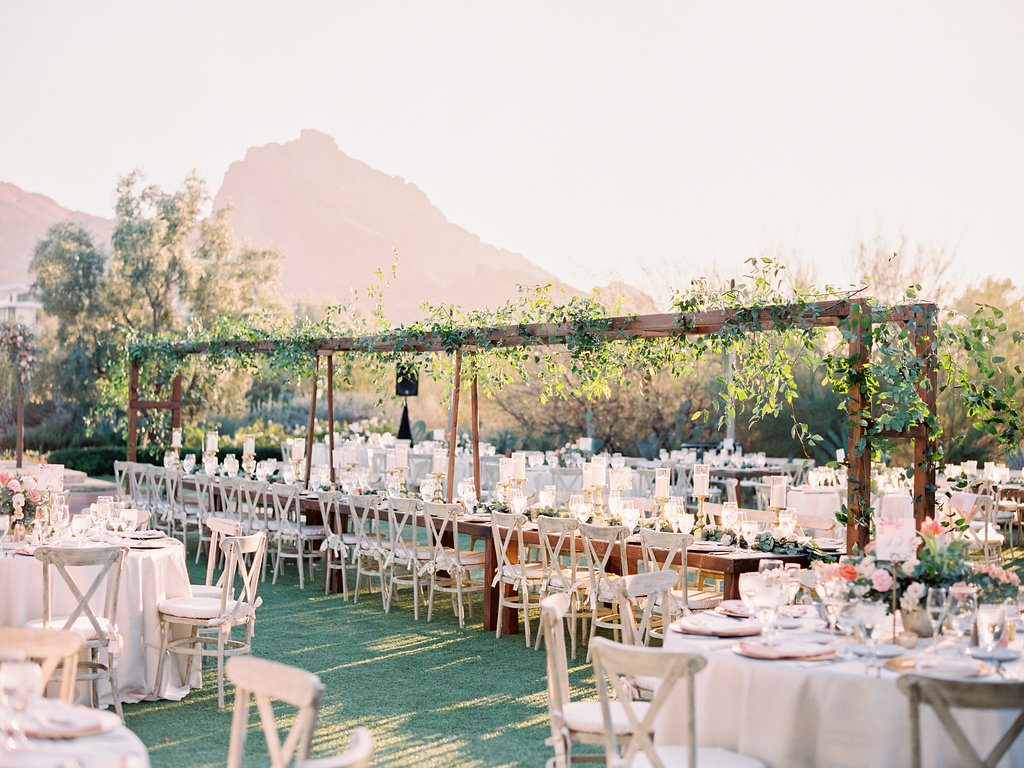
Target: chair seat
column 560, row 580
column 468, row 558
column 698, row 599
column 707, row 757
column 585, row 716
column 532, row 572
column 82, row 626
column 202, row 590
column 305, row 531
column 195, row 607
column 350, row 539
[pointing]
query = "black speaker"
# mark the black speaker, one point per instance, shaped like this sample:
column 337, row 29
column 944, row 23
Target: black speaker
column 407, row 382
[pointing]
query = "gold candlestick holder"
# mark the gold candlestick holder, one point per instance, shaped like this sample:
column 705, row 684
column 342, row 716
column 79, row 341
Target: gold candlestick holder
column 209, row 457
column 661, row 501
column 249, row 464
column 595, row 492
column 439, row 496
column 703, row 518
column 175, row 451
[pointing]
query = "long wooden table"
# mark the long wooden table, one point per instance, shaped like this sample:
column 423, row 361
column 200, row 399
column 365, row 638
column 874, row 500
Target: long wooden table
column 731, row 565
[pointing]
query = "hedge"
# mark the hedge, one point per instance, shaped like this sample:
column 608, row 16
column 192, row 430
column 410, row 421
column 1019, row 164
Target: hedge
column 99, row 460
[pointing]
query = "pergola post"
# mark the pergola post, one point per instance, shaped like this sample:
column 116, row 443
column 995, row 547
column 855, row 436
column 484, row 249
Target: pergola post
column 923, row 334
column 453, row 424
column 19, row 440
column 330, row 414
column 858, row 405
column 133, row 411
column 312, row 419
column 475, row 413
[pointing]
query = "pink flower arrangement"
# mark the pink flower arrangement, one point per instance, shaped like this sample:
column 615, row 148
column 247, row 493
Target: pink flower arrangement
column 881, row 580
column 931, row 527
column 19, row 496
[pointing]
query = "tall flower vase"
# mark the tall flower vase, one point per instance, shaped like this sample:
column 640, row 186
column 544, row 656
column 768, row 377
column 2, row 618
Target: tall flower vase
column 18, row 531
column 917, row 621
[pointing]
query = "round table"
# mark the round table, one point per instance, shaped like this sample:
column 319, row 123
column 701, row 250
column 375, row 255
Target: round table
column 149, row 576
column 815, row 715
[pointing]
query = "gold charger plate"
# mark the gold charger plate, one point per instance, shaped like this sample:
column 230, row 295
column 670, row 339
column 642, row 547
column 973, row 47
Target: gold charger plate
column 908, row 664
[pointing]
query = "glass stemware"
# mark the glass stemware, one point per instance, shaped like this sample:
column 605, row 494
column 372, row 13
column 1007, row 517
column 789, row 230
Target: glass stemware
column 991, row 626
column 21, row 685
column 5, row 527
column 963, row 608
column 871, row 616
column 935, row 605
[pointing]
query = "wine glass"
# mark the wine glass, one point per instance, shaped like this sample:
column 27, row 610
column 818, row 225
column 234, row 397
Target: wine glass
column 834, row 594
column 516, row 500
column 21, row 685
column 579, row 507
column 935, row 605
column 963, row 608
column 871, row 617
column 5, row 527
column 991, row 626
column 769, row 564
column 546, row 496
column 188, row 463
column 748, row 530
column 80, row 523
column 129, row 520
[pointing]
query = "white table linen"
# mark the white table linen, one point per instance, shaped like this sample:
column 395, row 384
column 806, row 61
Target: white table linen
column 149, row 576
column 825, row 715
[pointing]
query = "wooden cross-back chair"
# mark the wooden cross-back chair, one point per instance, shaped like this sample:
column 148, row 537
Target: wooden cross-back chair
column 604, row 593
column 659, row 551
column 139, row 485
column 560, row 560
column 648, row 594
column 338, row 544
column 370, row 548
column 204, row 506
column 356, row 755
column 450, row 568
column 264, row 681
column 943, row 695
column 52, row 648
column 571, row 721
column 291, row 534
column 513, row 569
column 244, row 557
column 405, row 557
column 615, row 668
column 122, row 482
column 96, row 628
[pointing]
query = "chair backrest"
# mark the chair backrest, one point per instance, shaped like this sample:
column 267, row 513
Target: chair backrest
column 557, row 542
column 50, row 647
column 229, row 489
column 330, row 512
column 402, row 528
column 762, row 493
column 356, row 755
column 615, row 666
column 730, row 489
column 506, row 530
column 121, row 479
column 243, row 556
column 567, row 479
column 253, row 510
column 170, row 492
column 660, row 550
column 942, row 695
column 643, row 482
column 365, row 523
column 489, row 471
column 552, row 614
column 442, row 524
column 419, row 466
column 143, row 519
column 109, row 560
column 613, row 541
column 219, row 527
column 684, row 480
column 265, row 680
column 656, row 587
column 204, row 495
column 139, row 487
column 286, row 506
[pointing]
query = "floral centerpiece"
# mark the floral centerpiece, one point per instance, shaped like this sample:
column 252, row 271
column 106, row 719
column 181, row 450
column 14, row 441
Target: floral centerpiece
column 767, row 542
column 936, row 565
column 21, row 497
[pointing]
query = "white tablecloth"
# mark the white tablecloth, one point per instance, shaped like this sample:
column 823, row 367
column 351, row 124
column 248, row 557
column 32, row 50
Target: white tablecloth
column 823, row 716
column 149, row 576
column 115, row 748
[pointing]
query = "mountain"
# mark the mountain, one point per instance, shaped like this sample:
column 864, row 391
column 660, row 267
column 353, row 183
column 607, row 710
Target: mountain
column 337, row 220
column 24, row 219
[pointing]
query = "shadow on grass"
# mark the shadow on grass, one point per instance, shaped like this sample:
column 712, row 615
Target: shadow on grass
column 431, row 693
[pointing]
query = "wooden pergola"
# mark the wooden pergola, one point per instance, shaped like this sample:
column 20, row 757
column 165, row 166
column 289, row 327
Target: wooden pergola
column 918, row 320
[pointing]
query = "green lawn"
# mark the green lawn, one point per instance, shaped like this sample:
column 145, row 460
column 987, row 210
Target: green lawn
column 432, row 694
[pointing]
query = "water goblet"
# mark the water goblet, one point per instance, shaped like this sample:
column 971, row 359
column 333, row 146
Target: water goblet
column 936, row 605
column 962, row 610
column 21, row 685
column 5, row 527
column 129, row 520
column 991, row 625
column 516, row 500
column 769, row 564
column 748, row 530
column 188, row 463
column 80, row 524
column 546, row 497
column 871, row 617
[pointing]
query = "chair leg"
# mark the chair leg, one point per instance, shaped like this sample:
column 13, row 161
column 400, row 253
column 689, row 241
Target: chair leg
column 163, row 657
column 115, row 689
column 220, row 667
column 299, row 557
column 430, row 596
column 277, row 562
column 526, row 612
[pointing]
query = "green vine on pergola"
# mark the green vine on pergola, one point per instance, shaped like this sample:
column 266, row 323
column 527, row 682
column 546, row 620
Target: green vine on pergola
column 885, row 359
column 18, row 342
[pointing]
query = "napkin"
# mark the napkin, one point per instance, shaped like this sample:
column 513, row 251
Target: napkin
column 789, row 649
column 733, row 608
column 721, row 626
column 947, row 666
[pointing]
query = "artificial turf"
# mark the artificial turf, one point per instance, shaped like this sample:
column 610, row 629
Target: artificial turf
column 431, row 693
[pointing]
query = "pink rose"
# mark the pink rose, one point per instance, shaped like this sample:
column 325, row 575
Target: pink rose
column 13, row 485
column 881, row 580
column 34, row 496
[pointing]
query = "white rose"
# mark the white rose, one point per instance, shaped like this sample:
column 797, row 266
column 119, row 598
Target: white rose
column 18, row 501
column 908, row 568
column 29, row 483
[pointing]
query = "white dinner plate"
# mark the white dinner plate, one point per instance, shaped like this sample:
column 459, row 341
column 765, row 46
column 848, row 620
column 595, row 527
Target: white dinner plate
column 997, row 654
column 882, row 650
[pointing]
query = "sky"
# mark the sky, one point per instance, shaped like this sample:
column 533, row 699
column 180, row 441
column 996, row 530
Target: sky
column 652, row 142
